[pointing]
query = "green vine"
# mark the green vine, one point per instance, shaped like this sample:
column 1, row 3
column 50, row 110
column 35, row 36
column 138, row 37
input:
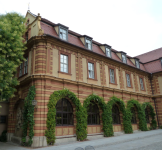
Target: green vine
column 81, row 116
column 152, row 114
column 101, row 103
column 28, row 117
column 141, row 116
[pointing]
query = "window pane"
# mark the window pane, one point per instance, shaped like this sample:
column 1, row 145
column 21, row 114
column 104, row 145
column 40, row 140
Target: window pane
column 128, row 80
column 137, row 64
column 108, row 52
column 124, row 58
column 58, row 119
column 112, row 79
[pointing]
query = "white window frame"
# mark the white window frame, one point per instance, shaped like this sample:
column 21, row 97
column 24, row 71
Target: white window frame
column 26, row 66
column 21, row 70
column 64, row 63
column 141, row 84
column 128, row 80
column 91, row 70
column 88, row 43
column 124, row 58
column 112, row 76
column 63, row 33
column 137, row 64
column 108, row 52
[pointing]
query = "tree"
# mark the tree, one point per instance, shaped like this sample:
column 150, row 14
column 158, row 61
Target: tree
column 12, row 48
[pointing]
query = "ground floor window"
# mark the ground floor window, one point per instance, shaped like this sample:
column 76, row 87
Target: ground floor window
column 115, row 114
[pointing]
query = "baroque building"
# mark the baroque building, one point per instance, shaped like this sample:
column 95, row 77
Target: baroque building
column 58, row 58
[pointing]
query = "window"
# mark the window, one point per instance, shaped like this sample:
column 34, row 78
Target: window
column 115, row 114
column 3, row 119
column 128, row 80
column 137, row 63
column 27, row 23
column 91, row 70
column 26, row 66
column 133, row 120
column 63, row 34
column 124, row 59
column 112, row 78
column 88, row 44
column 108, row 52
column 93, row 114
column 64, row 63
column 26, row 36
column 21, row 70
column 147, row 115
column 141, row 83
column 161, row 62
column 64, row 113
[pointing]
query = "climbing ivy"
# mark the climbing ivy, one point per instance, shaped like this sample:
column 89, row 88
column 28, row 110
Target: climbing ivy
column 141, row 115
column 152, row 114
column 126, row 123
column 28, row 117
column 101, row 103
column 81, row 116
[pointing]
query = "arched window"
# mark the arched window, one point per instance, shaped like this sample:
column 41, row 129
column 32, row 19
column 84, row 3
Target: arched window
column 133, row 115
column 64, row 113
column 115, row 114
column 93, row 114
column 147, row 115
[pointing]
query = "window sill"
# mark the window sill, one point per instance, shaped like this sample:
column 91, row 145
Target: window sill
column 134, row 123
column 93, row 124
column 23, row 75
column 92, row 79
column 117, row 124
column 64, row 73
column 64, row 126
column 113, row 83
column 130, row 87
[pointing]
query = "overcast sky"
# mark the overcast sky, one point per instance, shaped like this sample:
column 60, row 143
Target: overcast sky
column 132, row 26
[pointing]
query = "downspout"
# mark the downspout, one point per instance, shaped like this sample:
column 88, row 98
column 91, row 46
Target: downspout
column 154, row 100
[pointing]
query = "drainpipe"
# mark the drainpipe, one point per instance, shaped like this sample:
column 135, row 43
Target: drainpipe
column 154, row 100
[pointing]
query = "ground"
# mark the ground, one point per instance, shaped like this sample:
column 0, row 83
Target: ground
column 149, row 140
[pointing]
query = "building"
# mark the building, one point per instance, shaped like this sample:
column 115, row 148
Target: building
column 59, row 58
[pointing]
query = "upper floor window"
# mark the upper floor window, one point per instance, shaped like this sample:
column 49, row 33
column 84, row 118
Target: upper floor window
column 91, row 70
column 128, row 80
column 93, row 114
column 88, row 43
column 26, row 36
column 27, row 23
column 64, row 63
column 108, row 52
column 137, row 63
column 141, row 83
column 112, row 76
column 21, row 69
column 124, row 58
column 63, row 33
column 26, row 66
column 64, row 113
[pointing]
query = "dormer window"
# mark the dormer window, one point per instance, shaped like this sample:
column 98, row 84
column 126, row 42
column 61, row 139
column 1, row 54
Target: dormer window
column 137, row 63
column 161, row 61
column 63, row 33
column 88, row 44
column 124, row 58
column 108, row 52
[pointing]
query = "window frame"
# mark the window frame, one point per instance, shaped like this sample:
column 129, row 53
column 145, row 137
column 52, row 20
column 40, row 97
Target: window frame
column 115, row 80
column 5, row 118
column 66, row 29
column 69, row 62
column 136, row 60
column 63, row 112
column 123, row 54
column 95, row 71
column 140, row 77
column 147, row 117
column 106, row 51
column 92, row 113
column 115, row 114
column 90, row 41
column 26, row 66
column 130, row 77
column 134, row 117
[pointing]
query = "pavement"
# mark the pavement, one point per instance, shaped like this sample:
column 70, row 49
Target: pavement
column 145, row 140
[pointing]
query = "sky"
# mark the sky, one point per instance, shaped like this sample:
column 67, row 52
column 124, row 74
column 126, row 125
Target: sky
column 132, row 26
